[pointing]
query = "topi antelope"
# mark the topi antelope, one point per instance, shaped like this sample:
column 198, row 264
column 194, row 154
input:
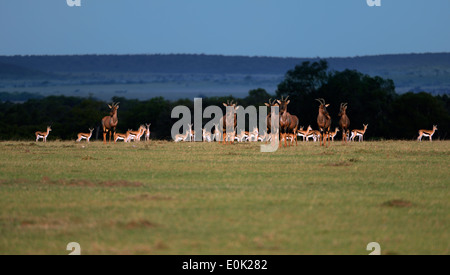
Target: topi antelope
column 324, row 122
column 43, row 135
column 427, row 133
column 344, row 122
column 109, row 123
column 269, row 116
column 229, row 121
column 85, row 136
column 288, row 122
column 359, row 133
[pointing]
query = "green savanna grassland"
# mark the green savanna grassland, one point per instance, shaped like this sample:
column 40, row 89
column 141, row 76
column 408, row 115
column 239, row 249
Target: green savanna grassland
column 207, row 198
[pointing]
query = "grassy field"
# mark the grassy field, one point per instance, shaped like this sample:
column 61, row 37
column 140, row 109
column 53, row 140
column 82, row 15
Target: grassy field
column 205, row 198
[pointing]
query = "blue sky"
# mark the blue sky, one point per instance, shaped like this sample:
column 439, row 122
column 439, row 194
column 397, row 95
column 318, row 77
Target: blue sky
column 285, row 28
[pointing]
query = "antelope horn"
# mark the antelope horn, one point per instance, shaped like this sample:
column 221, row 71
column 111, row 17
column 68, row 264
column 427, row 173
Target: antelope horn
column 318, row 99
column 270, row 103
column 286, row 98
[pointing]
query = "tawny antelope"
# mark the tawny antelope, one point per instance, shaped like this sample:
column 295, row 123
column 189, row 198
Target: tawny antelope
column 359, row 133
column 344, row 122
column 427, row 133
column 86, row 136
column 136, row 135
column 324, row 122
column 123, row 137
column 109, row 123
column 43, row 135
column 147, row 132
column 334, row 133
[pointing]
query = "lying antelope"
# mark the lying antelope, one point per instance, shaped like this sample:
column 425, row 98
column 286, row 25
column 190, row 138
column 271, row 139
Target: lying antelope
column 264, row 137
column 314, row 134
column 85, row 136
column 359, row 133
column 333, row 134
column 184, row 137
column 427, row 133
column 242, row 136
column 43, row 135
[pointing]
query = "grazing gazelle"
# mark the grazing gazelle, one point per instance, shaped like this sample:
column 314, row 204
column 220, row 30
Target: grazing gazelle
column 359, row 133
column 427, row 133
column 184, row 137
column 334, row 133
column 85, row 136
column 147, row 132
column 43, row 135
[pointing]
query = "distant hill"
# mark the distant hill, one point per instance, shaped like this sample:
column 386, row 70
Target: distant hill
column 200, row 73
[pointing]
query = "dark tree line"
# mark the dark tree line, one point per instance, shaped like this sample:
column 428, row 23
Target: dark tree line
column 371, row 100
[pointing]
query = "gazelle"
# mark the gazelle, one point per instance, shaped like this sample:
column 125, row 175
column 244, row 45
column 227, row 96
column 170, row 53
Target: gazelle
column 206, row 136
column 427, row 133
column 314, row 134
column 217, row 132
column 333, row 134
column 118, row 136
column 43, row 135
column 253, row 136
column 136, row 135
column 242, row 136
column 359, row 133
column 85, row 136
column 303, row 133
column 109, row 123
column 147, row 132
column 184, row 137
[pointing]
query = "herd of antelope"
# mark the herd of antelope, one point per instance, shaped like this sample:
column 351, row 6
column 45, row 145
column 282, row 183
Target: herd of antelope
column 289, row 128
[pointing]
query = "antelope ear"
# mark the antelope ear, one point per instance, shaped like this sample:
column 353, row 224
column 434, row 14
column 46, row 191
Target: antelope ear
column 279, row 102
column 267, row 104
column 110, row 107
column 224, row 104
column 237, row 108
column 287, row 102
column 327, row 105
